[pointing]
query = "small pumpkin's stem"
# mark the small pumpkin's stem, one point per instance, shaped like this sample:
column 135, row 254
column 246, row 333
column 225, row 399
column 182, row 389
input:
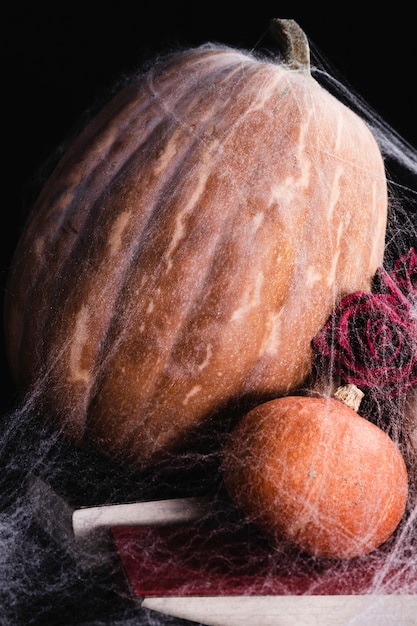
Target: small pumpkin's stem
column 350, row 395
column 294, row 42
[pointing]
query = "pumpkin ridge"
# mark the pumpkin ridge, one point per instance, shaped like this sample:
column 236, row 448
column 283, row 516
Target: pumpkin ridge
column 154, row 217
column 69, row 260
column 99, row 163
column 42, row 206
column 180, row 331
column 123, row 278
column 100, row 124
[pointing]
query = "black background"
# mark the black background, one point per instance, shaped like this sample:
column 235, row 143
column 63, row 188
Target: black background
column 60, row 59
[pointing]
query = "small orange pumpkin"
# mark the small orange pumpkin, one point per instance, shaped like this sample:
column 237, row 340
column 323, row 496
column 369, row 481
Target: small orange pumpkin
column 312, row 471
column 188, row 246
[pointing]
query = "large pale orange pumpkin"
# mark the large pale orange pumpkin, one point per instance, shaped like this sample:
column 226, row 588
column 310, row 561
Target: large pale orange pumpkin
column 312, row 471
column 188, row 246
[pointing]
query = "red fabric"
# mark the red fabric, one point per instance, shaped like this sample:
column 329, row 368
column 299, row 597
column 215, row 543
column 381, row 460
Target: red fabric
column 204, row 560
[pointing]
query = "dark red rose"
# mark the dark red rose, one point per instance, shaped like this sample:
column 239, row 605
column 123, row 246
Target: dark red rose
column 371, row 340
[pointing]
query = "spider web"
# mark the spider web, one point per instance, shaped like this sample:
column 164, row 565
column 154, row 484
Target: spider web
column 42, row 583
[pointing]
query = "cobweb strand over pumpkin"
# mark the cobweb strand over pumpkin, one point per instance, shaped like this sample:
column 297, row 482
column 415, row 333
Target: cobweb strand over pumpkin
column 41, row 582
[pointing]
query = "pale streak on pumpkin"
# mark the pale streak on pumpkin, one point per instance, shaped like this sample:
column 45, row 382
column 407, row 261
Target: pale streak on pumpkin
column 167, row 154
column 334, row 193
column 291, row 185
column 150, row 307
column 333, row 203
column 271, row 342
column 336, row 255
column 303, row 181
column 76, row 371
column 193, row 392
column 209, row 353
column 120, row 224
column 180, row 230
column 313, row 276
column 252, row 297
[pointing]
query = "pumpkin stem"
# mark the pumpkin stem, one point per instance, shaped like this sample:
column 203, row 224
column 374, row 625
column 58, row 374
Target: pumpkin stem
column 294, row 42
column 350, row 395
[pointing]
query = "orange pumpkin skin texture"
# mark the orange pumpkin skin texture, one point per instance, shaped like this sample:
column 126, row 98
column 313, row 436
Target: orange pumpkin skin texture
column 190, row 243
column 312, row 471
